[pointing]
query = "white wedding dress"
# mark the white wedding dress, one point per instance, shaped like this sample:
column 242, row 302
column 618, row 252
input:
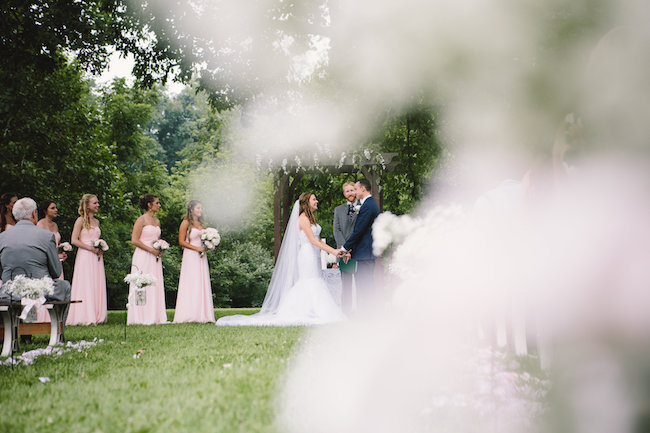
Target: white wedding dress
column 297, row 294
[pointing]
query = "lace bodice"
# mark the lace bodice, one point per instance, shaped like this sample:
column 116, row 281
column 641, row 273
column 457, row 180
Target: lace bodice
column 315, row 229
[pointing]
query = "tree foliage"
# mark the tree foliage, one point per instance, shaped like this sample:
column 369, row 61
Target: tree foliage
column 63, row 137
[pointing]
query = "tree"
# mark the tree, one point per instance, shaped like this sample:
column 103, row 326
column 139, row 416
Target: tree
column 413, row 135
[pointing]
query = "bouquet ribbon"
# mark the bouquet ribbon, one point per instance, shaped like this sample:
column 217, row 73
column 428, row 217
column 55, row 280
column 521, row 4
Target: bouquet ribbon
column 29, row 304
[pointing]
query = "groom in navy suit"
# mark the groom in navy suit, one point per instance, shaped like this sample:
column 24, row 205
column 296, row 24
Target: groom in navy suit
column 359, row 245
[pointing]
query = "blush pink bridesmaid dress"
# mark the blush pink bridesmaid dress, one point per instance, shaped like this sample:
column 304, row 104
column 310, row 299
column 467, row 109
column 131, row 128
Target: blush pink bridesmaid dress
column 88, row 284
column 194, row 301
column 153, row 310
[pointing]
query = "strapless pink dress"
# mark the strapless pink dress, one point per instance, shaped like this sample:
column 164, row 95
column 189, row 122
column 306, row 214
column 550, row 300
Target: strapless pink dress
column 194, row 301
column 88, row 284
column 153, row 311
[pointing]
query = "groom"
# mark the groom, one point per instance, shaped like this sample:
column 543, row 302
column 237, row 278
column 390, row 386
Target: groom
column 359, row 245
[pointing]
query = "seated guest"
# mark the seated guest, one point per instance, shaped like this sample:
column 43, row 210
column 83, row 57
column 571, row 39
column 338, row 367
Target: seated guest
column 32, row 251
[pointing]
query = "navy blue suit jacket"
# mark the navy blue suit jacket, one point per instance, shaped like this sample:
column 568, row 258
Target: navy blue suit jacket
column 360, row 241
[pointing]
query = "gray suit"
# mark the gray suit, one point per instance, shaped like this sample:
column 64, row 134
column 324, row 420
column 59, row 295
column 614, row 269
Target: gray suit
column 343, row 227
column 30, row 250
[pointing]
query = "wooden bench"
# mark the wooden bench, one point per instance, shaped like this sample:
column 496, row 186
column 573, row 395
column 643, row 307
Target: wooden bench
column 12, row 328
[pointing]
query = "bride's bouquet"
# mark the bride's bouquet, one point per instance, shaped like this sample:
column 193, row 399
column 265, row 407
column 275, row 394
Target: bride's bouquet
column 160, row 245
column 100, row 244
column 140, row 281
column 210, row 238
column 32, row 291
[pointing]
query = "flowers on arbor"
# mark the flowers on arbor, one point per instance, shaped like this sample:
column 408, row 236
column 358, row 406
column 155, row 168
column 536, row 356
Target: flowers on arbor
column 321, row 159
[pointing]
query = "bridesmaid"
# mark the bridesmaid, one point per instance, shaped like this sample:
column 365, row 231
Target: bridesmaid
column 194, row 302
column 88, row 279
column 49, row 211
column 146, row 231
column 7, row 201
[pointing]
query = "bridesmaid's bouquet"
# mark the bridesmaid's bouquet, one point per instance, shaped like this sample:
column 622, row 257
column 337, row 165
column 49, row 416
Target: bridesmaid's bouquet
column 140, row 281
column 210, row 238
column 102, row 245
column 160, row 245
column 64, row 247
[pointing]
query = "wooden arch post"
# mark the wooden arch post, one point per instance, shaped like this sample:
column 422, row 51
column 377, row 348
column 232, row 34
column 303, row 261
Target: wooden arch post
column 286, row 180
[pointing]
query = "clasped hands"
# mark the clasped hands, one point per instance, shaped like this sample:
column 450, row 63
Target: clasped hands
column 345, row 255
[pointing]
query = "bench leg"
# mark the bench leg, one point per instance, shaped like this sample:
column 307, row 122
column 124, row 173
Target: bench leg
column 10, row 334
column 56, row 324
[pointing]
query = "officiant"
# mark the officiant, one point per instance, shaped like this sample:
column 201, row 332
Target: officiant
column 345, row 216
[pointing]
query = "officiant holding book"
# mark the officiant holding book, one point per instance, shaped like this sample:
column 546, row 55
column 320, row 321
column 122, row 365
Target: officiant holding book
column 345, row 216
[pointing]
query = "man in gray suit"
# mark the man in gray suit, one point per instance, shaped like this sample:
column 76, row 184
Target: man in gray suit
column 31, row 251
column 344, row 218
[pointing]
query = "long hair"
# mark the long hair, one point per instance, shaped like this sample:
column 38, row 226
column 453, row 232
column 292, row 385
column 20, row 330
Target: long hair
column 189, row 216
column 303, row 201
column 43, row 206
column 5, row 199
column 83, row 210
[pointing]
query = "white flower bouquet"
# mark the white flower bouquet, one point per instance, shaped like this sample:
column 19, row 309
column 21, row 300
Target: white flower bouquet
column 32, row 291
column 210, row 238
column 140, row 281
column 65, row 247
column 100, row 244
column 160, row 245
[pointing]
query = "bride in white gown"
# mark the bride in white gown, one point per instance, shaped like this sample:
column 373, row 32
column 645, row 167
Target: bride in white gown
column 297, row 294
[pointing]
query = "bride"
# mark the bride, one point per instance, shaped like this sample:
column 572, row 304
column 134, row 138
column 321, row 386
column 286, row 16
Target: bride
column 297, row 294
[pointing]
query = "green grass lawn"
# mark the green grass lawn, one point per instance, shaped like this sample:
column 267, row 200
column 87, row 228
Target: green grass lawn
column 189, row 378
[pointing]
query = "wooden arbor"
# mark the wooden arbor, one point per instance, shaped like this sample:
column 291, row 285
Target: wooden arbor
column 286, row 179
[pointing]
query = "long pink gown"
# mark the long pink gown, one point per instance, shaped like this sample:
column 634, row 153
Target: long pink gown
column 194, row 301
column 153, row 311
column 88, row 284
column 41, row 314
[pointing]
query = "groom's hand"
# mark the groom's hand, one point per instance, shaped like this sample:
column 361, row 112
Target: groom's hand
column 346, row 257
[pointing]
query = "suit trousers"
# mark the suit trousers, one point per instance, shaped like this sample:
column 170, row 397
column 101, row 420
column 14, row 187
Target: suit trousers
column 365, row 281
column 346, row 292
